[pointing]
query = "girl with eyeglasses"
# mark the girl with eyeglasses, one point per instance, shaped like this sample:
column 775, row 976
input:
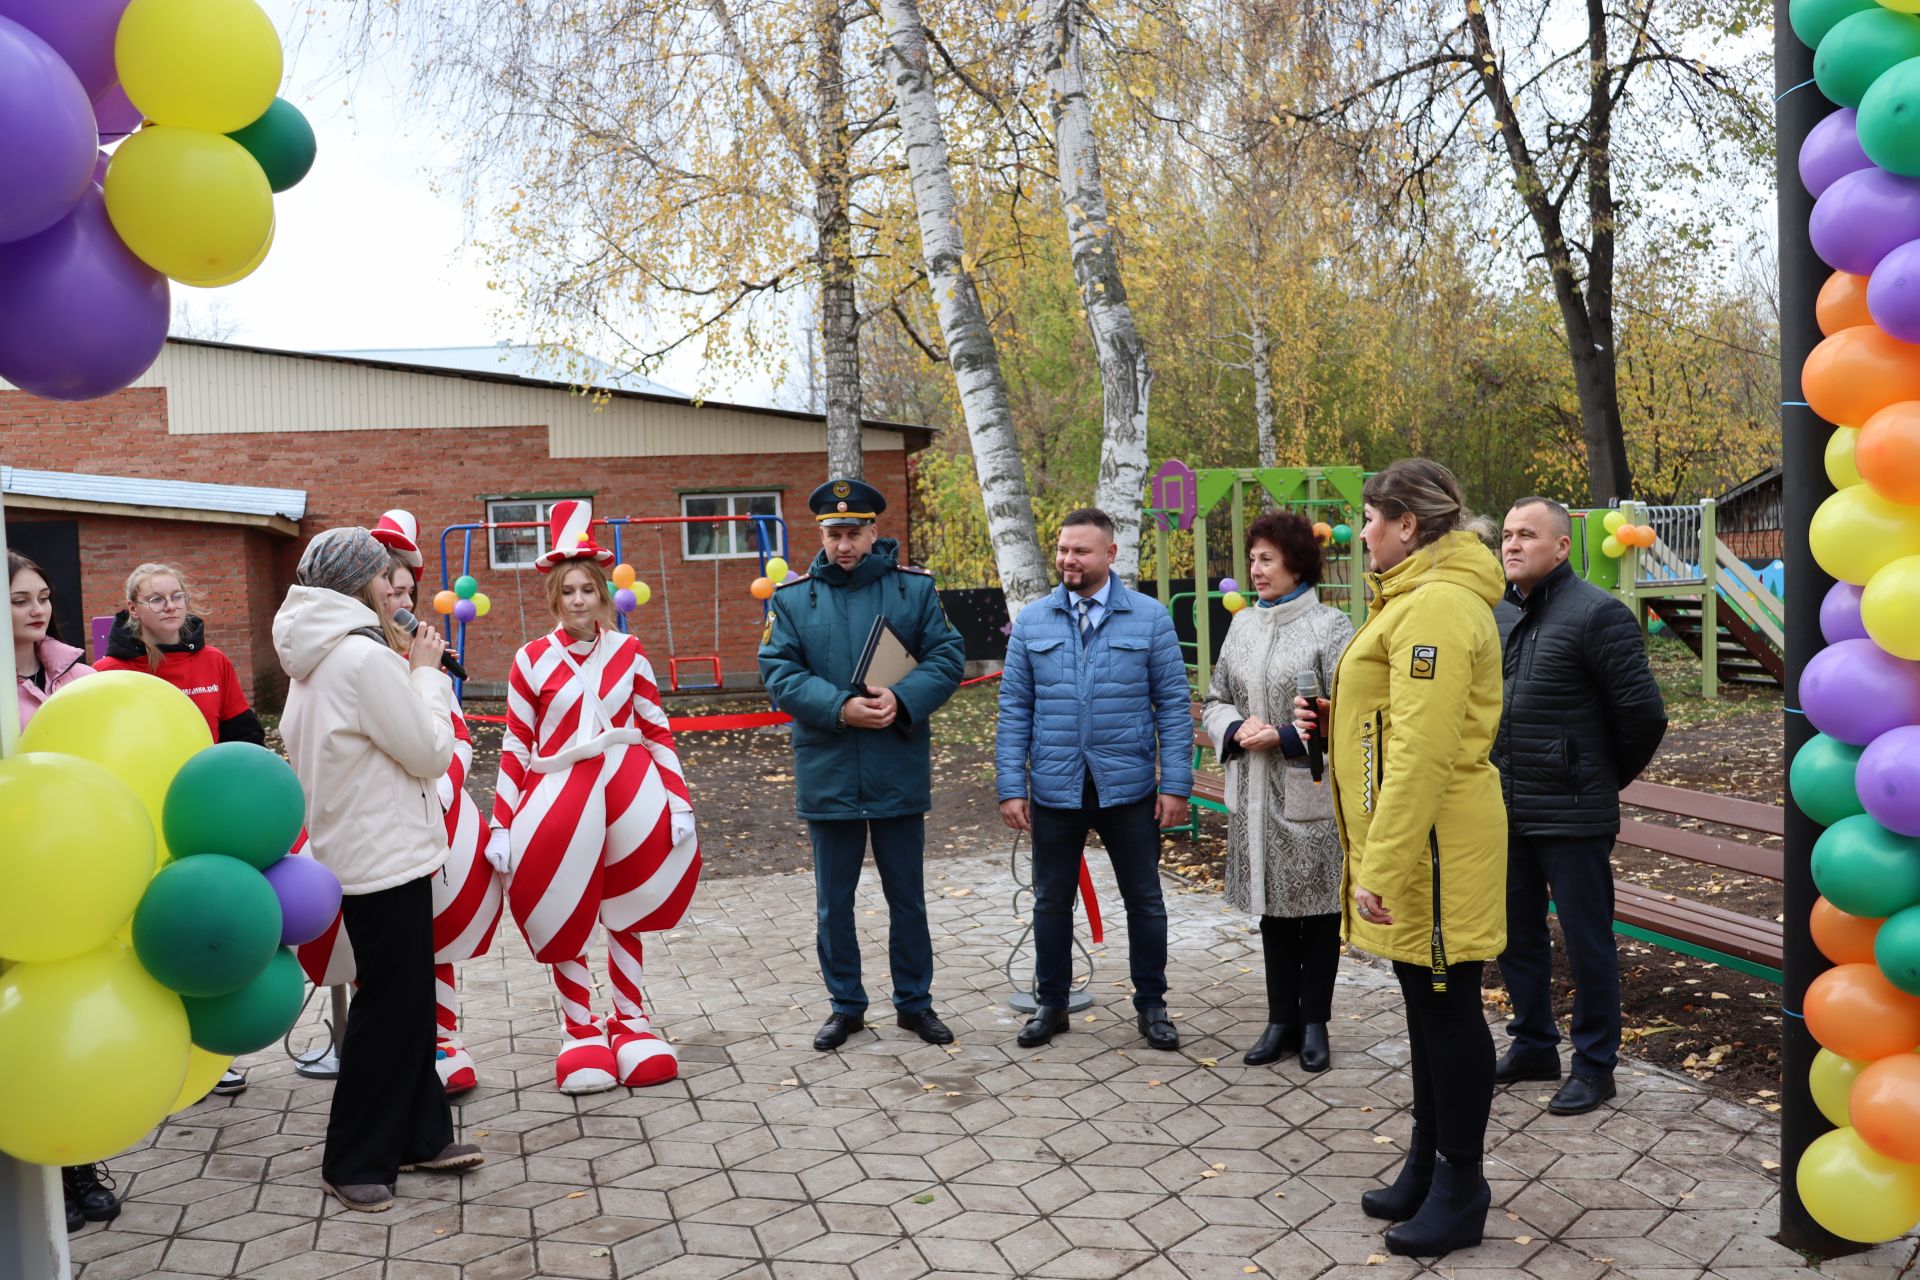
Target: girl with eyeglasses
column 160, row 633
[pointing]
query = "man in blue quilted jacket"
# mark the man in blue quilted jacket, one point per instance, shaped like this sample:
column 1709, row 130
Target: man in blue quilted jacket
column 1094, row 696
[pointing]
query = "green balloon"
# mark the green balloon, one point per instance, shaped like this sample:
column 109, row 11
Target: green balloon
column 1821, row 780
column 207, row 925
column 236, row 799
column 254, row 1016
column 1889, row 124
column 1812, row 19
column 1896, row 949
column 1343, row 534
column 282, row 141
column 464, row 586
column 1860, row 48
column 1865, row 869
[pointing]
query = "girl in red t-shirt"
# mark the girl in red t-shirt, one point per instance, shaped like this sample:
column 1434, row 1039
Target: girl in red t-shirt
column 159, row 633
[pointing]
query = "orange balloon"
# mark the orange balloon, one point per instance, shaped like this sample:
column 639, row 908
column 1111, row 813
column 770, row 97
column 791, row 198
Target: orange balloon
column 1853, row 1010
column 761, row 588
column 443, row 601
column 1842, row 303
column 1885, row 1107
column 1887, row 452
column 623, row 575
column 1857, row 372
column 1842, row 938
column 1322, row 530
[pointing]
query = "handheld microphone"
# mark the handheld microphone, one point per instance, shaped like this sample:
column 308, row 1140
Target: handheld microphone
column 1307, row 685
column 404, row 619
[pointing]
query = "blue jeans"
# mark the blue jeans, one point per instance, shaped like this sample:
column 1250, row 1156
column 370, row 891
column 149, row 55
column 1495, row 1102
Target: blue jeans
column 839, row 848
column 1132, row 838
column 1577, row 872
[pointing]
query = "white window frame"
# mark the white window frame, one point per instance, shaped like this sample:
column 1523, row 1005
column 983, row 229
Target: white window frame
column 743, row 533
column 543, row 509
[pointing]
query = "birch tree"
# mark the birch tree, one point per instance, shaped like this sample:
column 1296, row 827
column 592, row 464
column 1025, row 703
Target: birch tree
column 968, row 339
column 1126, row 380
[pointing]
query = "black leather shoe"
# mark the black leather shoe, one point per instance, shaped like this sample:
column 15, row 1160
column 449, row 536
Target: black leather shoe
column 834, row 1031
column 89, row 1186
column 1453, row 1216
column 1275, row 1043
column 1158, row 1028
column 1518, row 1064
column 927, row 1025
column 1314, row 1053
column 1581, row 1094
column 1403, row 1199
column 1048, row 1021
column 76, row 1220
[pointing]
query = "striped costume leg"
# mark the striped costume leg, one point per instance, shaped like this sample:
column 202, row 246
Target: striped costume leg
column 644, row 1057
column 648, row 885
column 554, row 895
column 451, row 1058
column 466, row 910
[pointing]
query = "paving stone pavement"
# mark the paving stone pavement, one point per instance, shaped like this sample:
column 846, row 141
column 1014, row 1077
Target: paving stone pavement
column 890, row 1160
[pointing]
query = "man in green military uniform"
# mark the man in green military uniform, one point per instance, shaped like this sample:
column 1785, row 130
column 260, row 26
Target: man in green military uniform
column 862, row 764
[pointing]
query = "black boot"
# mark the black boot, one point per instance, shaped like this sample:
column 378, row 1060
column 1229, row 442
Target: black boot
column 1453, row 1217
column 1314, row 1052
column 90, row 1187
column 1275, row 1043
column 1403, row 1199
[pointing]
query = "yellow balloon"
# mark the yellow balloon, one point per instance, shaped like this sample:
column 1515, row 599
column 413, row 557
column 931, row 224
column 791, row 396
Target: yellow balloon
column 200, row 64
column 1831, row 1079
column 77, row 855
column 1855, row 1192
column 92, row 1054
column 777, row 569
column 1856, row 533
column 193, row 206
column 642, row 592
column 247, row 270
column 482, row 606
column 1890, row 607
column 1612, row 547
column 1612, row 521
column 203, row 1072
column 1901, row 6
column 1839, row 457
column 138, row 727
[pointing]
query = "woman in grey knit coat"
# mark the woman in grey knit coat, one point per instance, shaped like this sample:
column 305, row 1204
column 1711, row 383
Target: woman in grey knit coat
column 1283, row 854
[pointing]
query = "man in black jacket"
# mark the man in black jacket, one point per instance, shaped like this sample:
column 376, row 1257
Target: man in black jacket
column 1582, row 716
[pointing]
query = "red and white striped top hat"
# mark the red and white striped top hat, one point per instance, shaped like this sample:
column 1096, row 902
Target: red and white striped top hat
column 399, row 532
column 570, row 537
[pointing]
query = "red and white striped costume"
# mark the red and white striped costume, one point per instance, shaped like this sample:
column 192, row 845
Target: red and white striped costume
column 589, row 786
column 466, row 910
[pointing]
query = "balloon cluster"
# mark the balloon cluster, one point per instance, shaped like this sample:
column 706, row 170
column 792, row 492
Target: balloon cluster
column 1231, row 598
column 1621, row 535
column 466, row 601
column 131, row 991
column 1860, row 776
column 629, row 593
column 87, row 242
column 776, row 572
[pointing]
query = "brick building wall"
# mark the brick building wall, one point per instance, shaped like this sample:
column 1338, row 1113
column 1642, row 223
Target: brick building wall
column 442, row 476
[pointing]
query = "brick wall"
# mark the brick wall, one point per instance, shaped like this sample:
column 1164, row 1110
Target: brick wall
column 441, row 476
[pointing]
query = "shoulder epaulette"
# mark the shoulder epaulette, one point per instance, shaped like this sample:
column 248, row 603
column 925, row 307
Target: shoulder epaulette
column 914, row 568
column 793, row 582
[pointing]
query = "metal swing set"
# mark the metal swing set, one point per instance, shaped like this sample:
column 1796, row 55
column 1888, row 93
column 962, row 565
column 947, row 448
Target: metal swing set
column 770, row 540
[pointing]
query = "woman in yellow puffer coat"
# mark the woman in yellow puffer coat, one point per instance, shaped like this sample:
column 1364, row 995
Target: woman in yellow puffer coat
column 1416, row 702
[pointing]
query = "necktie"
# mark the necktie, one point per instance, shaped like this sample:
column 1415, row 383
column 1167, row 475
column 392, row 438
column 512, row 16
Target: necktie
column 1086, row 617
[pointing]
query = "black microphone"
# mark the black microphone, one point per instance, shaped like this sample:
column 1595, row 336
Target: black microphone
column 404, row 619
column 1307, row 685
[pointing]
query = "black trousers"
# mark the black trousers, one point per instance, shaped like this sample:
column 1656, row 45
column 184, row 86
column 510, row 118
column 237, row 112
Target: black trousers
column 899, row 854
column 1302, row 956
column 389, row 1107
column 1452, row 1057
column 1132, row 838
column 1577, row 873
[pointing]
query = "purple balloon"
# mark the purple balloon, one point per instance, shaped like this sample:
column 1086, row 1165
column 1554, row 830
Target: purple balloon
column 1893, row 293
column 466, row 610
column 115, row 114
column 1855, row 691
column 1863, row 217
column 625, row 601
column 80, row 31
column 309, row 898
column 82, row 316
column 1228, row 584
column 47, row 137
column 1840, row 614
column 1831, row 152
column 1888, row 780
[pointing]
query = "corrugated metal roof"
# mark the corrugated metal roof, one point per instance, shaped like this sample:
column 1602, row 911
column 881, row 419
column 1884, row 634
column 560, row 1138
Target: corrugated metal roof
column 517, row 360
column 134, row 491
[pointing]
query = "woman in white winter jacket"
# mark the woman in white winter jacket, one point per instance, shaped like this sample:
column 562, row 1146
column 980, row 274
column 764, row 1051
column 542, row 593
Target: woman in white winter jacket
column 368, row 733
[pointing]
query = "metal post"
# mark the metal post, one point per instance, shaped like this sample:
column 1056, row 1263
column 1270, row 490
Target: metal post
column 1709, row 606
column 33, row 1219
column 1202, row 605
column 1240, row 535
column 1802, row 450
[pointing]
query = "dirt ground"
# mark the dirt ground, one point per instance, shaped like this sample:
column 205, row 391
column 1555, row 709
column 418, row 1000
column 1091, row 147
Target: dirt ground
column 1719, row 1025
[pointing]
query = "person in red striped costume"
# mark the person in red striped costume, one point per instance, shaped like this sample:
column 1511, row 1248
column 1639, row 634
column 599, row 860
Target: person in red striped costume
column 467, row 895
column 592, row 819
